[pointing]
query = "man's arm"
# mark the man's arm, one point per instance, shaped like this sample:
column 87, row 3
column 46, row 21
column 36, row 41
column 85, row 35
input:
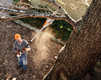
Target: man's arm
column 28, row 47
column 14, row 47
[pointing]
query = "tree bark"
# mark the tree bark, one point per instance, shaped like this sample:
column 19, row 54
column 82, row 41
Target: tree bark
column 82, row 50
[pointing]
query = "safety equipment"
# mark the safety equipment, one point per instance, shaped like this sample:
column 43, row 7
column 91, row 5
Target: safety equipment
column 23, row 50
column 17, row 36
column 19, row 54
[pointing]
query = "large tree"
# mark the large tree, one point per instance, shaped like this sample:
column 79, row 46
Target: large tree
column 83, row 48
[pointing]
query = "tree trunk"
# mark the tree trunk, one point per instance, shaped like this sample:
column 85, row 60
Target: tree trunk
column 83, row 48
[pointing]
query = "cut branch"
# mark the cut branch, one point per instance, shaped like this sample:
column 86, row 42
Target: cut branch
column 71, row 21
column 14, row 17
column 13, row 11
column 36, row 14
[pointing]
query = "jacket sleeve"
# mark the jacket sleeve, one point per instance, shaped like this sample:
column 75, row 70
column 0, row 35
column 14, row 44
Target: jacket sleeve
column 26, row 43
column 14, row 46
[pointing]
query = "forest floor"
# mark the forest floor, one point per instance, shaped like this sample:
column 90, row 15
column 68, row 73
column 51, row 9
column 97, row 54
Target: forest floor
column 41, row 58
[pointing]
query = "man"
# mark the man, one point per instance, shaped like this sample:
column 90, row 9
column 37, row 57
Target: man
column 21, row 48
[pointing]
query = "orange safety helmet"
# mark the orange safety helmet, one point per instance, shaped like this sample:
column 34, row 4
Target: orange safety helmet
column 17, row 36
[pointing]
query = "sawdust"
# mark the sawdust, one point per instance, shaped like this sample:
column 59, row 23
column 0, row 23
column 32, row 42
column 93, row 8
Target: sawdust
column 40, row 59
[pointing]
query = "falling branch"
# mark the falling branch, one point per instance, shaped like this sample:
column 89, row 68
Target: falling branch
column 35, row 14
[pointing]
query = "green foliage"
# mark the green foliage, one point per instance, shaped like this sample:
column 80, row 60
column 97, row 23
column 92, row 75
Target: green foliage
column 62, row 24
column 15, row 0
column 62, row 29
column 35, row 22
